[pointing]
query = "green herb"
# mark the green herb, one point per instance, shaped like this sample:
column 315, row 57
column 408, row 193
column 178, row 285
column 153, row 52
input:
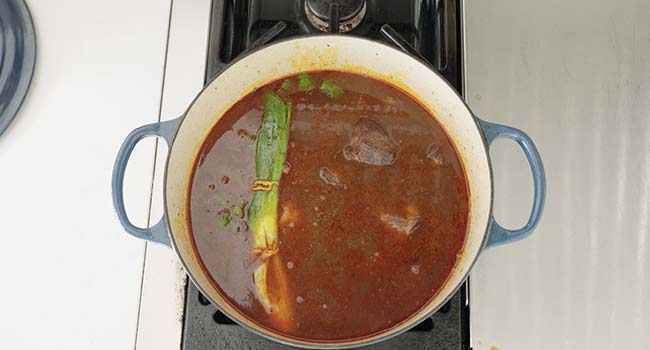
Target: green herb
column 225, row 218
column 287, row 85
column 304, row 82
column 330, row 89
column 238, row 210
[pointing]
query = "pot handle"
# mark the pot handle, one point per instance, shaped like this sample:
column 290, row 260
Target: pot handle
column 499, row 235
column 165, row 130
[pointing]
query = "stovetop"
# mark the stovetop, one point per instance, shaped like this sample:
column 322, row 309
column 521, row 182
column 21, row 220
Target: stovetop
column 429, row 29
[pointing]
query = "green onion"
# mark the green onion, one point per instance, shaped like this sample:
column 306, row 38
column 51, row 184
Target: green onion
column 272, row 141
column 304, row 82
column 238, row 210
column 225, row 218
column 330, row 89
column 287, row 85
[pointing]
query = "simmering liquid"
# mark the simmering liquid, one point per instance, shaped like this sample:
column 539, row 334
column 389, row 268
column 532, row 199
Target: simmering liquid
column 372, row 210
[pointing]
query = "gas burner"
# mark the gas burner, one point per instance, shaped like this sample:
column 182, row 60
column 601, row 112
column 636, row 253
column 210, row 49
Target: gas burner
column 326, row 14
column 17, row 58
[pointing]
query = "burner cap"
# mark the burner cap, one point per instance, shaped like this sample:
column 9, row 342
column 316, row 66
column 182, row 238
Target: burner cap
column 347, row 8
column 351, row 12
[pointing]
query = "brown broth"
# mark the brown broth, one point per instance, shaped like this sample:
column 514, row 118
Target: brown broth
column 349, row 274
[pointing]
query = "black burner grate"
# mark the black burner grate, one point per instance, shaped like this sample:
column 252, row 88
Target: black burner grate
column 432, row 27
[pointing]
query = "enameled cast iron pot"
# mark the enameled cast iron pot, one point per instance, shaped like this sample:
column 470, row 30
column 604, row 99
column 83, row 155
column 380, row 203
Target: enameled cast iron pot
column 470, row 135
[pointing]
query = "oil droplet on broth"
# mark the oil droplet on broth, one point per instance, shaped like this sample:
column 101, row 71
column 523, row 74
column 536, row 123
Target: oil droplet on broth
column 286, row 167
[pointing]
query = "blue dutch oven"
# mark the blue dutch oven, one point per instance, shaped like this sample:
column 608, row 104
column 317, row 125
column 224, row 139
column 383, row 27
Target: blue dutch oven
column 471, row 136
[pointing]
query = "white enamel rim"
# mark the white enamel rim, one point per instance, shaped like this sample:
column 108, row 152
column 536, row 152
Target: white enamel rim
column 341, row 53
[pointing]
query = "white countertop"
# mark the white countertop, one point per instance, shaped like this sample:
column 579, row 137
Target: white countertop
column 71, row 276
column 574, row 75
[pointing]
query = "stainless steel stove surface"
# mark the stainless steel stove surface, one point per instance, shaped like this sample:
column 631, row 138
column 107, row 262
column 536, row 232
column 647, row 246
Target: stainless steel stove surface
column 429, row 29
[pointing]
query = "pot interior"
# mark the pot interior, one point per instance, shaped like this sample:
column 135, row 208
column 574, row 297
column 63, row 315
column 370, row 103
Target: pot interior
column 341, row 53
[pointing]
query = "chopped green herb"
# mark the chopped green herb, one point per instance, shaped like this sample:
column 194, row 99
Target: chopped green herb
column 330, row 89
column 287, row 84
column 304, row 82
column 238, row 210
column 225, row 218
